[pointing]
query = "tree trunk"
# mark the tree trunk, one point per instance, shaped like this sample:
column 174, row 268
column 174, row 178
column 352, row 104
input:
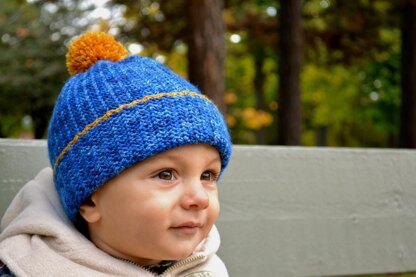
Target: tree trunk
column 259, row 77
column 290, row 63
column 408, row 109
column 321, row 135
column 206, row 48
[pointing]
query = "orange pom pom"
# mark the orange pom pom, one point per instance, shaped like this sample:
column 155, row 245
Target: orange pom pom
column 91, row 47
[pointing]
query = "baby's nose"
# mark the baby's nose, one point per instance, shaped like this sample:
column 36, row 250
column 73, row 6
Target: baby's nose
column 195, row 196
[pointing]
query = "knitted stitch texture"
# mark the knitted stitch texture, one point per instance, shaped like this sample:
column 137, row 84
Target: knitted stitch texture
column 116, row 114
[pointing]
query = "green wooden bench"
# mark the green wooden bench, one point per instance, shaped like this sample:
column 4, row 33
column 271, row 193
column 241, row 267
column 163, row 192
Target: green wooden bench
column 293, row 211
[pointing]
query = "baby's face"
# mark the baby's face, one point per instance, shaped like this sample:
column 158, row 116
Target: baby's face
column 159, row 209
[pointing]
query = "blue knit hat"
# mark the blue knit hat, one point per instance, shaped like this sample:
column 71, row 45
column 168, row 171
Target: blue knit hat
column 116, row 111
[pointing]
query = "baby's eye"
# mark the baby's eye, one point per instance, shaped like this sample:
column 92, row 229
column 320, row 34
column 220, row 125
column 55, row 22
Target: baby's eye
column 209, row 176
column 166, row 175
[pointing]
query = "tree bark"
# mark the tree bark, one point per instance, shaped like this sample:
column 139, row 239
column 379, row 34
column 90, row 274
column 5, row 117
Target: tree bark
column 206, row 48
column 290, row 63
column 321, row 135
column 259, row 78
column 408, row 52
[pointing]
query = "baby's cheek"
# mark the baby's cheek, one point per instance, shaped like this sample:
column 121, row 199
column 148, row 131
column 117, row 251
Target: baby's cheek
column 214, row 209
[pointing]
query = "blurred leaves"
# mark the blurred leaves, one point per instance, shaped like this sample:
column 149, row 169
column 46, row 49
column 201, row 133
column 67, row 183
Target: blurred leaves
column 32, row 64
column 350, row 79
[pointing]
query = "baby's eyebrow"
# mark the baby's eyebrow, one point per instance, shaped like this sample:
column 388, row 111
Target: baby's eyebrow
column 175, row 156
column 216, row 159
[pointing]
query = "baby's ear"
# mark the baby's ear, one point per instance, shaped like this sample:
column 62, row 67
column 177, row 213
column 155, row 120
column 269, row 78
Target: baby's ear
column 89, row 210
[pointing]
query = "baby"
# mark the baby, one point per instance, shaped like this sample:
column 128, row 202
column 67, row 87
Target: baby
column 136, row 152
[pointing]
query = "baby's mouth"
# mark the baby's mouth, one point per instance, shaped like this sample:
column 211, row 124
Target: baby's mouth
column 188, row 227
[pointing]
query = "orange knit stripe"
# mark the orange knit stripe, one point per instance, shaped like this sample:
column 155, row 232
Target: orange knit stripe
column 119, row 109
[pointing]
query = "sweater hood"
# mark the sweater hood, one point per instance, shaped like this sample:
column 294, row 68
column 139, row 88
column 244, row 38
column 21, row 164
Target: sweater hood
column 37, row 239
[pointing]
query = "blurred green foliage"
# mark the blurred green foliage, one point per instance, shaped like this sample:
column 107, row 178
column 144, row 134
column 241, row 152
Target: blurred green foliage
column 31, row 67
column 32, row 62
column 350, row 80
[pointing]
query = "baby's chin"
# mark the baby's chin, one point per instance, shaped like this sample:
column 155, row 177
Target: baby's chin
column 180, row 253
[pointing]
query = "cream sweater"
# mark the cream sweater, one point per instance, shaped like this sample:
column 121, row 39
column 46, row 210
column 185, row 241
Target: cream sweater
column 37, row 239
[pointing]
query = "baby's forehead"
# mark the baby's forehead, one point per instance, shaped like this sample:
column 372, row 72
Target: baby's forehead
column 198, row 157
column 190, row 152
